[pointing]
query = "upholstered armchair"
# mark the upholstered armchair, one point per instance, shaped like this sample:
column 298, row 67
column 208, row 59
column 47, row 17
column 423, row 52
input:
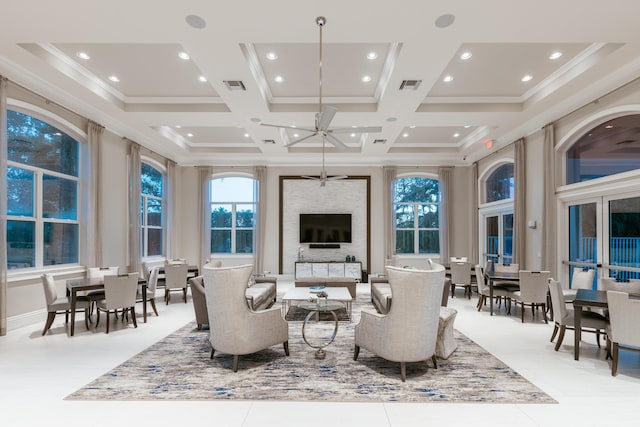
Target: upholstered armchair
column 199, row 301
column 234, row 328
column 408, row 332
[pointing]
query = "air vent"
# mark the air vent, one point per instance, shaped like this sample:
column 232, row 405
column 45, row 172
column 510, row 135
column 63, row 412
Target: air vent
column 410, row 84
column 379, row 141
column 234, row 84
column 269, row 141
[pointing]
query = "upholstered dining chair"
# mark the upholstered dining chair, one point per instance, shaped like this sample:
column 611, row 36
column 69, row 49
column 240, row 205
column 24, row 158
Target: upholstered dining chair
column 581, row 279
column 119, row 294
column 461, row 276
column 623, row 332
column 564, row 317
column 484, row 291
column 98, row 273
column 175, row 278
column 408, row 332
column 234, row 328
column 57, row 304
column 152, row 285
column 534, row 287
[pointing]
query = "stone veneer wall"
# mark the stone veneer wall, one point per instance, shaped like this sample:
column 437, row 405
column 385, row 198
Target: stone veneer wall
column 307, row 196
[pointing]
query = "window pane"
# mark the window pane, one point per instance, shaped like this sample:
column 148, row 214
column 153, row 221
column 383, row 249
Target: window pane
column 582, row 233
column 59, row 198
column 221, row 215
column 404, row 241
column 36, row 143
column 232, row 189
column 142, row 218
column 624, row 236
column 154, row 241
column 404, row 216
column 244, row 215
column 154, row 212
column 507, row 238
column 60, row 243
column 20, row 191
column 428, row 216
column 21, row 245
column 244, row 241
column 429, row 242
column 493, row 238
column 416, row 189
column 151, row 181
column 221, row 241
column 500, row 184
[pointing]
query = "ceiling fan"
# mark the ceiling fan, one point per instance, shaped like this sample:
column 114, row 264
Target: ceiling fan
column 324, row 116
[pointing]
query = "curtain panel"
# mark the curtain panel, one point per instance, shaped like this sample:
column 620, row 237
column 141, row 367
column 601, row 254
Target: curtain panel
column 170, row 222
column 204, row 212
column 389, row 175
column 93, row 177
column 549, row 220
column 520, row 212
column 3, row 206
column 260, row 194
column 475, row 243
column 135, row 166
column 444, row 213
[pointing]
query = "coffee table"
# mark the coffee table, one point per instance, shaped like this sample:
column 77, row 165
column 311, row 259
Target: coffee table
column 296, row 296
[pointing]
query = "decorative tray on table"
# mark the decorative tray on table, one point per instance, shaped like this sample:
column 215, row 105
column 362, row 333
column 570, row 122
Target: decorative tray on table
column 317, row 289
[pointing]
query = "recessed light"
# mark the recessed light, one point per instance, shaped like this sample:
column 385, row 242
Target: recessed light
column 412, row 127
column 608, row 126
column 443, row 21
column 293, row 126
column 526, row 78
column 195, row 21
column 466, row 55
column 555, row 55
column 203, row 79
column 448, row 78
column 456, row 135
column 178, row 126
column 392, row 119
column 246, row 135
column 295, row 135
column 83, row 55
column 354, row 126
column 405, row 135
column 366, row 79
column 190, row 135
column 184, row 56
column 353, row 135
column 278, row 79
column 114, row 79
column 255, row 119
column 271, row 56
column 372, row 55
column 467, row 126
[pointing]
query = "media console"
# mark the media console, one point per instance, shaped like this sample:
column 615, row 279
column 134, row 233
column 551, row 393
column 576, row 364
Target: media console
column 306, row 269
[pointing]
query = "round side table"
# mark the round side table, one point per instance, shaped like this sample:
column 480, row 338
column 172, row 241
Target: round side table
column 315, row 308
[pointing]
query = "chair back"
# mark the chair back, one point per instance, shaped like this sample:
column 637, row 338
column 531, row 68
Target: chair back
column 120, row 291
column 100, row 272
column 534, row 286
column 558, row 302
column 50, row 291
column 483, row 287
column 461, row 273
column 611, row 284
column 582, row 279
column 152, row 283
column 175, row 276
column 508, row 268
column 175, row 261
column 624, row 316
column 458, row 259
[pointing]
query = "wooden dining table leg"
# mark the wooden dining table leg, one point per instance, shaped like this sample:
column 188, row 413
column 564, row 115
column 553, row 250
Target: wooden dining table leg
column 73, row 311
column 491, row 296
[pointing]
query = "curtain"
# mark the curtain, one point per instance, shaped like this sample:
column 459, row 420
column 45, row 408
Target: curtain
column 134, row 208
column 260, row 196
column 204, row 212
column 170, row 222
column 3, row 206
column 389, row 175
column 520, row 205
column 549, row 224
column 475, row 244
column 93, row 176
column 444, row 212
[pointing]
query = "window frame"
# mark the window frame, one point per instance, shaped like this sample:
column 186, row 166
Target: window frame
column 234, row 227
column 144, row 198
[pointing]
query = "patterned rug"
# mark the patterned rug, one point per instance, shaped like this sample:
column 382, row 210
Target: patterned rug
column 178, row 368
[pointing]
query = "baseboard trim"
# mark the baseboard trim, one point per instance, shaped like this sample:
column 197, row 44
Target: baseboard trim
column 26, row 319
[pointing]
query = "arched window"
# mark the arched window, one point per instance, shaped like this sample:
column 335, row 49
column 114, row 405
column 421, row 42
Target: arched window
column 609, row 148
column 43, row 225
column 416, row 205
column 233, row 211
column 500, row 184
column 152, row 201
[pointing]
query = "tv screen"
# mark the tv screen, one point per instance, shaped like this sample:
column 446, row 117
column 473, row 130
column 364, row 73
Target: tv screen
column 325, row 228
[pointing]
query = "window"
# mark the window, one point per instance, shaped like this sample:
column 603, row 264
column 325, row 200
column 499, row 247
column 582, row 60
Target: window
column 42, row 194
column 152, row 205
column 500, row 184
column 496, row 215
column 416, row 207
column 607, row 149
column 232, row 215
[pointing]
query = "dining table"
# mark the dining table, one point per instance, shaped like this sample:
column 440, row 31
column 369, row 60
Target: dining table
column 85, row 284
column 494, row 276
column 585, row 298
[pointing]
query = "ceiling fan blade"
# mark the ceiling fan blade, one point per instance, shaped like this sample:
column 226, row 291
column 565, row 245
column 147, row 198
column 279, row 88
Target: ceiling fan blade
column 287, row 127
column 300, row 139
column 325, row 117
column 315, row 178
column 367, row 129
column 337, row 177
column 335, row 141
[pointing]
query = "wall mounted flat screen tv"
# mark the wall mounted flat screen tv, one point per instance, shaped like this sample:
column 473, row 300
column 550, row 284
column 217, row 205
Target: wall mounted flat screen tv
column 325, row 228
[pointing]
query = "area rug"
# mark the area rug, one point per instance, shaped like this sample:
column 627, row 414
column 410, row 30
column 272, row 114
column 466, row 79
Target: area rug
column 179, row 368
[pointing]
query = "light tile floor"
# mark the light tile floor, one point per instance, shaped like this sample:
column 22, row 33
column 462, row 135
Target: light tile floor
column 36, row 373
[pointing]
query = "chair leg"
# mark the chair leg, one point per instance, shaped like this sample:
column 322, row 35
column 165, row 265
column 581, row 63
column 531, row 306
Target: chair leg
column 286, row 347
column 555, row 331
column 153, row 305
column 133, row 315
column 608, row 349
column 560, row 337
column 453, row 290
column 598, row 338
column 213, row 350
column 522, row 313
column 86, row 318
column 403, row 371
column 50, row 316
column 166, row 296
column 544, row 313
column 435, row 362
column 107, row 321
column 614, row 363
column 356, row 352
column 184, row 292
column 66, row 316
column 235, row 362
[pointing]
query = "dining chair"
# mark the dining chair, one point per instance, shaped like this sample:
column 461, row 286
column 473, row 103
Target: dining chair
column 120, row 294
column 57, row 304
column 461, row 276
column 98, row 273
column 152, row 285
column 564, row 317
column 623, row 332
column 458, row 259
column 484, row 291
column 175, row 278
column 534, row 287
column 580, row 279
column 507, row 285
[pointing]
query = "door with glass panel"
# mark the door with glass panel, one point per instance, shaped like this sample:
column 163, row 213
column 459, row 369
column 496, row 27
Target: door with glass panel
column 498, row 242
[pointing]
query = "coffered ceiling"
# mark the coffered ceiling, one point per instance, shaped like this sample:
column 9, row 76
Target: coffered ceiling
column 195, row 80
